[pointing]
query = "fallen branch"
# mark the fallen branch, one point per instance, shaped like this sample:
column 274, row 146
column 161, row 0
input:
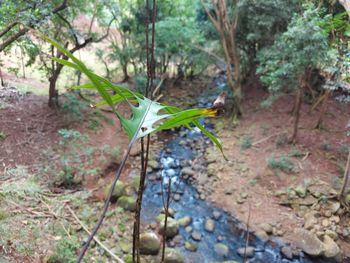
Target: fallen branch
column 266, row 138
column 95, row 238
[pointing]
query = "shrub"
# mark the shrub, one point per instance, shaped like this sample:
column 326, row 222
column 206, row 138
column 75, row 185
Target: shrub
column 282, row 163
column 65, row 251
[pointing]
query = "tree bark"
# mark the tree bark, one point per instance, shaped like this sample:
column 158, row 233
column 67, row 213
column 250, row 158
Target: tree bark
column 346, row 5
column 323, row 109
column 53, row 93
column 346, row 178
column 299, row 99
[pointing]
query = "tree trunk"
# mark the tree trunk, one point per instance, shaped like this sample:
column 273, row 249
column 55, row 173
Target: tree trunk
column 346, row 178
column 323, row 110
column 53, row 93
column 1, row 78
column 299, row 98
column 125, row 72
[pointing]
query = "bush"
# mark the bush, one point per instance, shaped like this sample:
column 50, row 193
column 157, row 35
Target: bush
column 73, row 107
column 282, row 163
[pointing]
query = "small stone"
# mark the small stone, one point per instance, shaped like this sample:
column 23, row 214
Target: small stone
column 262, row 235
column 332, row 234
column 246, row 251
column 119, row 190
column 325, row 222
column 187, row 171
column 127, row 202
column 171, row 211
column 209, row 225
column 310, row 220
column 301, row 190
column 196, row 235
column 287, row 252
column 177, row 197
column 191, row 246
column 172, row 228
column 221, row 249
column 184, row 221
column 149, row 243
column 267, row 228
column 188, row 229
column 173, row 256
column 244, row 195
column 216, row 215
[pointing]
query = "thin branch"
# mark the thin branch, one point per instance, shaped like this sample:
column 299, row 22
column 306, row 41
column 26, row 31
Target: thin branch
column 95, row 238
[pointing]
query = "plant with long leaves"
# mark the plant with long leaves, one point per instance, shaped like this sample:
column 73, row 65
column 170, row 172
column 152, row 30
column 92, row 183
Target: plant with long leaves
column 147, row 117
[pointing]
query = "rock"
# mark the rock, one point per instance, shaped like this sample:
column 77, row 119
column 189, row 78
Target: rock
column 248, row 251
column 177, row 197
column 301, row 190
column 216, row 215
column 209, row 225
column 188, row 229
column 332, row 234
column 153, row 164
column 287, row 252
column 196, row 235
column 325, row 222
column 125, row 247
column 221, row 249
column 184, row 221
column 267, row 228
column 119, row 190
column 127, row 202
column 262, row 235
column 149, row 243
column 173, row 256
column 171, row 211
column 191, row 246
column 187, row 171
column 331, row 249
column 172, row 228
column 135, row 182
column 308, row 242
column 310, row 220
column 135, row 150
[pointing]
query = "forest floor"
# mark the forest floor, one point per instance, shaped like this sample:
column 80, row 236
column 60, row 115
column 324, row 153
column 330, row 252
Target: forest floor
column 275, row 184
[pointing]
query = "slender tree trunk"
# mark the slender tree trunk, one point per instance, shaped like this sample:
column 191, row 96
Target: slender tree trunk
column 323, row 110
column 299, row 98
column 22, row 61
column 346, row 178
column 1, row 78
column 125, row 72
column 53, row 93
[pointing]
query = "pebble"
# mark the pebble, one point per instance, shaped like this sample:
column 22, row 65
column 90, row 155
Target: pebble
column 209, row 225
column 247, row 251
column 196, row 235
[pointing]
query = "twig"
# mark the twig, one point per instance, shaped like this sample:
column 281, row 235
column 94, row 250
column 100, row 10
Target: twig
column 95, row 238
column 265, row 139
column 247, row 237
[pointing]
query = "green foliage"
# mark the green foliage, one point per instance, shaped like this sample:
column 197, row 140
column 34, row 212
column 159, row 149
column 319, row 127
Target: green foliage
column 303, row 46
column 295, row 152
column 281, row 140
column 73, row 107
column 282, row 163
column 246, row 142
column 65, row 251
column 147, row 116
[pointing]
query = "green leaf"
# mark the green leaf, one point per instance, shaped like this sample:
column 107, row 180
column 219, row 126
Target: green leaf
column 147, row 116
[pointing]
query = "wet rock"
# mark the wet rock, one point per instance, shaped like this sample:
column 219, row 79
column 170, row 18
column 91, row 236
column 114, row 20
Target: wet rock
column 209, row 225
column 331, row 249
column 247, row 251
column 149, row 243
column 126, row 247
column 216, row 215
column 221, row 249
column 171, row 211
column 119, row 191
column 184, row 221
column 332, row 234
column 196, row 235
column 172, row 228
column 173, row 256
column 177, row 197
column 287, row 252
column 135, row 182
column 262, row 235
column 191, row 246
column 308, row 242
column 325, row 222
column 188, row 229
column 127, row 202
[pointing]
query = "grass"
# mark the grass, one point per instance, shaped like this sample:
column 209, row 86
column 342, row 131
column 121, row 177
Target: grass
column 246, row 142
column 283, row 163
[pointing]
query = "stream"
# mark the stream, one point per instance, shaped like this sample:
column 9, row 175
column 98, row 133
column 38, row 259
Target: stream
column 187, row 201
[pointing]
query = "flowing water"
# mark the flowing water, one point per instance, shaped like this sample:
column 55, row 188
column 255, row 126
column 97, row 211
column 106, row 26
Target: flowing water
column 227, row 229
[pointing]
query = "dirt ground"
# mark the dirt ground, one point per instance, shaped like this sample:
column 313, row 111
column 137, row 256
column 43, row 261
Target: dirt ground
column 245, row 185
